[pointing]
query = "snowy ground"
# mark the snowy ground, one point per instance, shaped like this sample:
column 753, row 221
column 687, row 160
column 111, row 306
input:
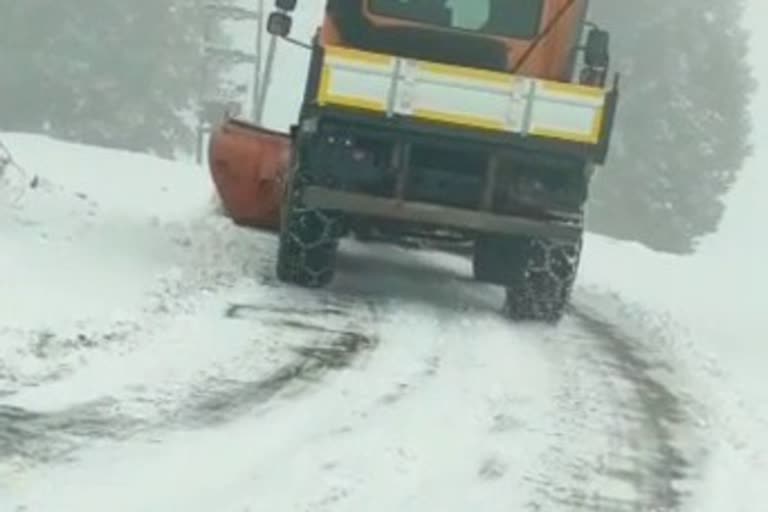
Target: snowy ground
column 149, row 361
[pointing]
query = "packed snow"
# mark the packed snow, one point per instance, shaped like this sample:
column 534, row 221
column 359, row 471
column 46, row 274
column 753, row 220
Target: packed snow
column 149, row 360
column 150, row 338
column 150, row 363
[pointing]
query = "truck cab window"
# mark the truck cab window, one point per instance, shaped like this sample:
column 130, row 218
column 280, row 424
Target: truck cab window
column 519, row 19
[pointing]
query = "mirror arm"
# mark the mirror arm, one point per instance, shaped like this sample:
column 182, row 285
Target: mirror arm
column 298, row 43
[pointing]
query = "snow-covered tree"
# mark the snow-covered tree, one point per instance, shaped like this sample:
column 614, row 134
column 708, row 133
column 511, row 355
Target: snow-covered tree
column 107, row 72
column 683, row 122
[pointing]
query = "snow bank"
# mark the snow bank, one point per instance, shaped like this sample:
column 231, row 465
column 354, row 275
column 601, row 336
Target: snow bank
column 110, row 228
column 99, row 251
column 124, row 243
column 708, row 312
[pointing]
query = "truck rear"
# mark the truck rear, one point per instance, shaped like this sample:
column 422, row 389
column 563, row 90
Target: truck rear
column 476, row 120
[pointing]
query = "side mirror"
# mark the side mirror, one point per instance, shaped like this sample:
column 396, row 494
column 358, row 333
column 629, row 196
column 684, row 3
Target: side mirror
column 597, row 49
column 279, row 24
column 285, row 5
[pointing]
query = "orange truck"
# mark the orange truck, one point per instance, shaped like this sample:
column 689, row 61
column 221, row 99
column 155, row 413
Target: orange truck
column 480, row 121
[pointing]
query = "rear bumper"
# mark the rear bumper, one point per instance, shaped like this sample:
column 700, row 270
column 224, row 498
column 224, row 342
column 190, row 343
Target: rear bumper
column 430, row 214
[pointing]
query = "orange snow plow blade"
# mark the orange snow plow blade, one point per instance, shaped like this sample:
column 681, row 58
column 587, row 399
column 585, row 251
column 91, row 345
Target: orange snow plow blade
column 247, row 164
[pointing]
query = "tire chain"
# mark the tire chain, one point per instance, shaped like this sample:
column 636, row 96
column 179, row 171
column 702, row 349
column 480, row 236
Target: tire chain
column 303, row 248
column 546, row 282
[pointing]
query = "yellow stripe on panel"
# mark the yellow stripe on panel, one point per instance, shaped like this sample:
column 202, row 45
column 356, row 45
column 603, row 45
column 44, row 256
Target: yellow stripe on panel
column 597, row 125
column 325, row 84
column 576, row 90
column 561, row 134
column 459, row 119
column 355, row 102
column 358, row 55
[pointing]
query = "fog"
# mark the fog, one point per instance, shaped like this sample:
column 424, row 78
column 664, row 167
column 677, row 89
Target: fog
column 150, row 358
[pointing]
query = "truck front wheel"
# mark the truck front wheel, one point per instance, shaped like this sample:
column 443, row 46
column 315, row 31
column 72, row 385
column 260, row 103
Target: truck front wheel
column 308, row 243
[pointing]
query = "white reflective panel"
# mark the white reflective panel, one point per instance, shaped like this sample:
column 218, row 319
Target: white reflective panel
column 463, row 96
column 548, row 116
column 359, row 85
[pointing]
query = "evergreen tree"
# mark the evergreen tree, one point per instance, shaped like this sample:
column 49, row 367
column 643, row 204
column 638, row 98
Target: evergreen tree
column 683, row 121
column 106, row 72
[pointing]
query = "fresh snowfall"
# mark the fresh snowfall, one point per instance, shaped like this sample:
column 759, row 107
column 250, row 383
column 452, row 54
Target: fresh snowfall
column 150, row 361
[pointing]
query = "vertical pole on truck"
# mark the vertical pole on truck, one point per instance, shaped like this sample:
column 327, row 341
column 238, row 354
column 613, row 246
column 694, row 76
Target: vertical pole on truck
column 267, row 79
column 259, row 45
column 203, row 91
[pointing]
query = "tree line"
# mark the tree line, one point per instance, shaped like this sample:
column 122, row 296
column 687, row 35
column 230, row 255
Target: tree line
column 127, row 75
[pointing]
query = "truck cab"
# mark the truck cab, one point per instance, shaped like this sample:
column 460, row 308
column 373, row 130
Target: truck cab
column 480, row 34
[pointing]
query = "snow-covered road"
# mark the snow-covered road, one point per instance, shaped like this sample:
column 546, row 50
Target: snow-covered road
column 150, row 361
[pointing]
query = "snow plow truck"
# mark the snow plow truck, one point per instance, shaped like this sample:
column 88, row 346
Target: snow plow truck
column 474, row 120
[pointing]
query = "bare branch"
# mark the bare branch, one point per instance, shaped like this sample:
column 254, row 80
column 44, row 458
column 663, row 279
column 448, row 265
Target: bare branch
column 7, row 162
column 6, row 159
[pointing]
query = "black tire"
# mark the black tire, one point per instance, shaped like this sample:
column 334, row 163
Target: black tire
column 540, row 290
column 538, row 274
column 308, row 243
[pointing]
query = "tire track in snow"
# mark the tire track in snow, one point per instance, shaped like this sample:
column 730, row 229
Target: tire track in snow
column 34, row 437
column 425, row 366
column 658, row 414
column 721, row 423
column 87, row 372
column 210, row 258
column 443, row 404
column 221, row 400
column 454, row 399
column 623, row 426
column 28, row 438
column 459, row 435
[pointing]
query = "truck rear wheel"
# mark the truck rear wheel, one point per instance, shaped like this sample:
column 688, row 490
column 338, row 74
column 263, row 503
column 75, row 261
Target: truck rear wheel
column 538, row 274
column 308, row 243
column 540, row 289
